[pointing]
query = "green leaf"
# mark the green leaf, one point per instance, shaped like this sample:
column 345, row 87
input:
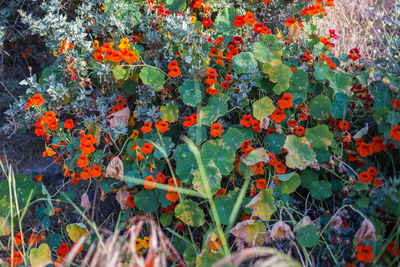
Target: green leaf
column 198, row 134
column 146, row 201
column 262, row 205
column 286, row 177
column 322, row 72
column 185, row 163
column 213, row 179
column 23, row 184
column 232, row 139
column 321, row 190
column 308, row 236
column 128, row 180
column 192, row 92
column 300, row 155
column 274, row 142
column 307, row 178
column 224, row 205
column 190, row 213
column 54, row 241
column 175, row 5
column 130, row 87
column 299, row 80
column 165, row 219
column 223, row 159
column 339, row 105
column 320, row 107
column 256, row 156
column 288, row 187
column 263, row 108
column 278, row 73
column 224, row 20
column 119, row 72
column 262, row 52
column 244, row 62
column 167, row 145
column 340, row 81
column 320, row 136
column 216, row 108
column 170, row 112
column 150, row 75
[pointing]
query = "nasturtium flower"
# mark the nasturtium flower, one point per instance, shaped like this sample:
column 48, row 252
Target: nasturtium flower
column 220, row 192
column 206, row 22
column 172, row 196
column 63, row 249
column 249, row 18
column 53, row 125
column 365, row 177
column 280, row 168
column 344, row 125
column 146, row 127
column 395, row 132
column 49, row 116
column 258, row 27
column 216, row 129
column 162, row 126
column 278, row 116
column 69, row 124
column 16, row 258
column 147, row 148
column 174, row 182
column 191, row 120
column 299, row 130
column 261, row 184
column 247, row 121
column 364, row 254
column 18, row 239
column 160, row 177
column 256, row 126
column 193, row 19
column 130, row 201
column 292, row 123
column 239, row 21
column 96, row 171
column 378, row 145
column 123, row 43
column 148, row 182
column 290, row 21
column 86, row 173
column 365, row 149
column 285, row 101
column 134, row 134
column 372, row 171
column 354, row 54
column 37, row 99
column 82, row 161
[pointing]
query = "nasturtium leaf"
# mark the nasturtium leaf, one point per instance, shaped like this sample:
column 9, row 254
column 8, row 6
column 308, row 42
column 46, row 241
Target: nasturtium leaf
column 161, row 196
column 224, row 20
column 263, row 108
column 213, row 179
column 308, row 236
column 339, row 105
column 286, row 177
column 250, row 231
column 299, row 80
column 175, row 5
column 320, row 107
column 321, row 190
column 198, row 134
column 232, row 139
column 322, row 155
column 278, row 73
column 289, row 186
column 320, row 136
column 274, row 142
column 224, row 205
column 382, row 99
column 150, row 75
column 192, row 92
column 216, row 108
column 362, row 202
column 170, row 112
column 76, row 231
column 165, row 219
column 308, row 177
column 380, row 118
column 214, row 151
column 146, row 201
column 190, row 213
column 185, row 163
column 130, row 87
column 165, row 145
column 40, row 257
column 119, row 72
column 262, row 52
column 23, row 184
column 262, row 205
column 256, row 156
column 322, row 72
column 300, row 154
column 107, row 184
column 340, row 81
column 189, row 255
column 54, row 240
column 244, row 62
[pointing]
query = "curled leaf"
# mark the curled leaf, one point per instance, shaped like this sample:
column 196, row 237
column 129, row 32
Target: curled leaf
column 366, row 232
column 115, row 169
column 280, row 231
column 302, row 223
column 76, row 231
column 40, row 257
column 262, row 205
column 121, row 197
column 335, row 223
column 116, row 117
column 85, row 202
column 249, row 231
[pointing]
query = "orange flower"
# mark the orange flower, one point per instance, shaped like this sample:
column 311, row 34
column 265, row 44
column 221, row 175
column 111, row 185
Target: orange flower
column 261, row 184
column 258, row 168
column 148, row 182
column 191, row 120
column 175, row 72
column 249, row 18
column 344, row 125
column 128, row 55
column 32, row 239
column 82, row 161
column 364, row 254
column 161, row 178
column 372, row 171
column 290, row 21
column 247, row 121
column 172, row 196
column 130, row 201
column 96, row 171
column 216, row 129
column 365, row 149
column 18, row 239
column 278, row 116
column 37, row 99
column 328, row 61
column 220, row 192
column 53, row 125
column 162, row 126
column 286, row 101
column 365, row 177
column 174, row 182
column 395, row 133
column 88, row 139
column 256, row 126
column 87, row 148
column 29, row 103
column 146, row 127
column 239, row 21
column 147, row 148
column 116, row 56
column 69, row 124
column 49, row 117
column 16, row 258
column 280, row 168
column 378, row 145
column 215, row 245
column 63, row 249
column 86, row 173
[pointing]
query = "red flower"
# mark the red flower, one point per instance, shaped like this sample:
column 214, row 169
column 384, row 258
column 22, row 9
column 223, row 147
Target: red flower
column 207, row 22
column 286, row 101
column 247, row 121
column 365, row 177
column 365, row 149
column 16, row 258
column 216, row 129
column 162, row 126
column 364, row 254
column 69, row 124
column 278, row 116
column 354, row 54
column 372, row 171
column 290, row 21
column 261, row 184
column 161, row 178
column 300, row 130
column 130, row 201
column 344, row 125
column 147, row 148
column 220, row 192
column 239, row 21
column 258, row 27
column 63, row 249
column 292, row 123
column 146, row 127
column 148, row 185
column 395, row 133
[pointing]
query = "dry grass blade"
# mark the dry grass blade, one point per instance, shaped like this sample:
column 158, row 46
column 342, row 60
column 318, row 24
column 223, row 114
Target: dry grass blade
column 269, row 257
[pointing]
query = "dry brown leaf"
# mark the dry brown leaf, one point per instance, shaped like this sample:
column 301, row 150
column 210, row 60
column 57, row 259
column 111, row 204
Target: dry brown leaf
column 335, row 223
column 366, row 232
column 249, row 231
column 115, row 118
column 264, row 123
column 121, row 197
column 85, row 202
column 115, row 169
column 280, row 231
column 303, row 222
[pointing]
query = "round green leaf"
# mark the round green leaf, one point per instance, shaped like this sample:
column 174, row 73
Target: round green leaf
column 320, row 136
column 224, row 205
column 119, row 72
column 192, row 92
column 146, row 201
column 185, row 163
column 307, row 236
column 274, row 142
column 150, row 75
column 320, row 107
column 244, row 62
column 321, row 190
column 198, row 134
column 300, row 154
column 223, row 159
column 263, row 108
column 288, row 187
column 232, row 139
